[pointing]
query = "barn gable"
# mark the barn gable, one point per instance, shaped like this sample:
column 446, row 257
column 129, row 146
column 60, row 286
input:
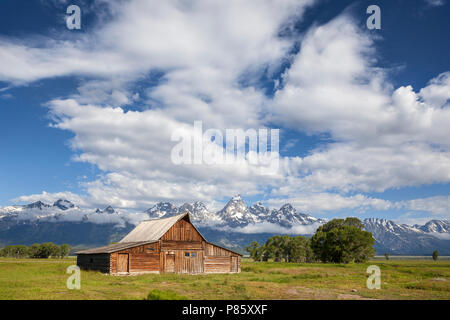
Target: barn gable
column 183, row 230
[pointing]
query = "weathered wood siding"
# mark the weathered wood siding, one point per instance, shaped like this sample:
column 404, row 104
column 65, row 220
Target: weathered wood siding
column 189, row 261
column 182, row 231
column 99, row 262
column 169, row 262
column 182, row 261
column 212, row 250
column 169, row 245
column 220, row 260
column 141, row 259
column 235, row 264
column 222, row 264
column 217, row 264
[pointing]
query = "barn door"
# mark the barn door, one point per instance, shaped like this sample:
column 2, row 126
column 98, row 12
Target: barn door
column 123, row 263
column 170, row 263
column 234, row 264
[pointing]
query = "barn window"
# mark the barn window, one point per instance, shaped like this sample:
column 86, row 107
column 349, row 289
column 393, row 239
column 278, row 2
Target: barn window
column 150, row 249
column 186, row 254
column 193, row 254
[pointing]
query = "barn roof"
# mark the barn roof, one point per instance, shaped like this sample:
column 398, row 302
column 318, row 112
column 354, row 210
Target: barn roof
column 113, row 247
column 153, row 230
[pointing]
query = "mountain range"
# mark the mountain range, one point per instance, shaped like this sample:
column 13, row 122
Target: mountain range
column 234, row 226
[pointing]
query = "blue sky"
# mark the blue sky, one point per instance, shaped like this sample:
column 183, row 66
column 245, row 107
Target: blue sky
column 86, row 114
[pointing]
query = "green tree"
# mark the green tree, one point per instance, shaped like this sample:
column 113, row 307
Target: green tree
column 54, row 249
column 343, row 241
column 45, row 250
column 386, row 255
column 300, row 250
column 254, row 250
column 282, row 248
column 435, row 255
column 20, row 251
column 34, row 250
column 294, row 249
column 64, row 250
column 17, row 251
column 266, row 253
column 275, row 249
column 6, row 251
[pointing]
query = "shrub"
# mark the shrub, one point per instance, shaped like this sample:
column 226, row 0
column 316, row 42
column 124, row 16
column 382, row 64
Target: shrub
column 435, row 255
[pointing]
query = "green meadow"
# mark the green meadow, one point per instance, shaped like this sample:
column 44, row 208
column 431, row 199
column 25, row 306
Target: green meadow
column 400, row 279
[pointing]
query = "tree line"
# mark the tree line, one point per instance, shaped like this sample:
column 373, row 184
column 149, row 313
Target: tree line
column 282, row 248
column 36, row 250
column 338, row 241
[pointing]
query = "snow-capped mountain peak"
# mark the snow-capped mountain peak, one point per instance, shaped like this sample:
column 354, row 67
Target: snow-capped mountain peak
column 199, row 213
column 236, row 213
column 109, row 210
column 397, row 238
column 260, row 211
column 287, row 216
column 439, row 226
column 37, row 205
column 388, row 225
column 162, row 209
column 236, row 198
column 63, row 204
column 11, row 209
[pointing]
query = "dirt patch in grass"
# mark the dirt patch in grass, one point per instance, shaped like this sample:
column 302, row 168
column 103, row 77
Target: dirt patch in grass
column 348, row 296
column 438, row 279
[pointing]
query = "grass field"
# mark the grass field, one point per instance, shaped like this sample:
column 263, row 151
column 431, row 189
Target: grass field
column 400, row 279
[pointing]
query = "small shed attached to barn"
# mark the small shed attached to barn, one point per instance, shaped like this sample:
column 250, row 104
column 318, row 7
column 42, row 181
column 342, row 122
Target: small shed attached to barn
column 169, row 245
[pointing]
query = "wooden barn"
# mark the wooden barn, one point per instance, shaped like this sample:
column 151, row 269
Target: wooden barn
column 169, row 245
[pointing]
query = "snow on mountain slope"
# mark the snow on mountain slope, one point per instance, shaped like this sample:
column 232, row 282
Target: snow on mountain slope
column 260, row 211
column 287, row 216
column 400, row 238
column 37, row 205
column 65, row 211
column 162, row 209
column 236, row 213
column 200, row 214
column 439, row 226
